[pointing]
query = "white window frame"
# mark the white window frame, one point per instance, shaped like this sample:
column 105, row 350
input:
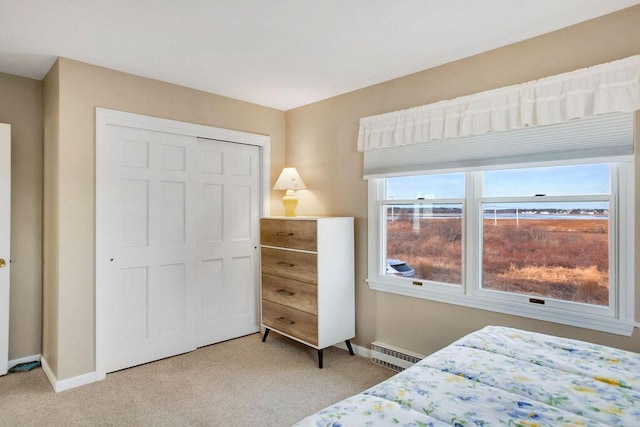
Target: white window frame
column 618, row 318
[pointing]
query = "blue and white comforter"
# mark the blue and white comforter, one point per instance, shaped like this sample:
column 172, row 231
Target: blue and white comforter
column 502, row 377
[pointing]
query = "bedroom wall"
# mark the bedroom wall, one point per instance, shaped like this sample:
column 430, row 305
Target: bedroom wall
column 51, row 113
column 82, row 87
column 21, row 107
column 321, row 143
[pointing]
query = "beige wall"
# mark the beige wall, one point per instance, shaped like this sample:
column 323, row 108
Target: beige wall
column 321, row 143
column 21, row 107
column 82, row 88
column 51, row 113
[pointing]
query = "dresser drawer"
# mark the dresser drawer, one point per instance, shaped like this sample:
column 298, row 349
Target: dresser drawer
column 294, row 234
column 290, row 321
column 290, row 264
column 292, row 293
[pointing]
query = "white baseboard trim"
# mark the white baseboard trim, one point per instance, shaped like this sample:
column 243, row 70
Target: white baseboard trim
column 21, row 360
column 360, row 351
column 47, row 371
column 69, row 383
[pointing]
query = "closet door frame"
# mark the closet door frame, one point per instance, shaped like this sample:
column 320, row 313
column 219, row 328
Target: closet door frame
column 106, row 117
column 5, row 243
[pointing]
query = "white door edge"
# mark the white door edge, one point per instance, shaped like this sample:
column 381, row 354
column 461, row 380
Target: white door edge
column 106, row 117
column 5, row 243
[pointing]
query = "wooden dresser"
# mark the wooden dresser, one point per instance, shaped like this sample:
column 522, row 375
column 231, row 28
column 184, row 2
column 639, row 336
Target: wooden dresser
column 308, row 280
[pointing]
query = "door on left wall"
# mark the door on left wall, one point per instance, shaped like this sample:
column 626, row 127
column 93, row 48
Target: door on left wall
column 183, row 222
column 5, row 242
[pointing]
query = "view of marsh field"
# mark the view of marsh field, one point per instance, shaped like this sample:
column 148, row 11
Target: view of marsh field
column 562, row 257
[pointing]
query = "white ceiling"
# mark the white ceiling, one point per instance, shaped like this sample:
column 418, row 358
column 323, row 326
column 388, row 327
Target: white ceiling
column 278, row 53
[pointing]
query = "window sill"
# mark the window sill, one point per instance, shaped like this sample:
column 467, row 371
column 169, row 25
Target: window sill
column 581, row 320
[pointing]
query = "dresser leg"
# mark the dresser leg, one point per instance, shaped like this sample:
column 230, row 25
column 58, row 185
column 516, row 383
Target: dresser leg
column 266, row 332
column 320, row 359
column 348, row 343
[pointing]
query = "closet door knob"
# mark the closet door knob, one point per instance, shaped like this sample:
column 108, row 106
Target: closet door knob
column 2, row 263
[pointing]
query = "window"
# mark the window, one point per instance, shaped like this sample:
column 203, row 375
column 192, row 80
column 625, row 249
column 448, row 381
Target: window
column 545, row 232
column 424, row 225
column 550, row 242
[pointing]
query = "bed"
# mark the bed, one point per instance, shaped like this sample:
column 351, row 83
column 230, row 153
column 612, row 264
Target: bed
column 502, row 376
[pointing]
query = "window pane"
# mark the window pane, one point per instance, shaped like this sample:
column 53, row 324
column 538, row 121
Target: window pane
column 443, row 186
column 553, row 250
column 425, row 242
column 549, row 181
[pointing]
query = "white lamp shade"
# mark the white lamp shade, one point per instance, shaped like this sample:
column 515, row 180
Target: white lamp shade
column 289, row 179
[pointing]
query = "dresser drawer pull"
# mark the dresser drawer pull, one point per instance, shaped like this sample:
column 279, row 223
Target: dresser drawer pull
column 286, row 264
column 284, row 233
column 285, row 320
column 287, row 293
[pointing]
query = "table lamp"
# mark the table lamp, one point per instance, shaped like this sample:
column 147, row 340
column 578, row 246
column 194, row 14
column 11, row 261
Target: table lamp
column 289, row 180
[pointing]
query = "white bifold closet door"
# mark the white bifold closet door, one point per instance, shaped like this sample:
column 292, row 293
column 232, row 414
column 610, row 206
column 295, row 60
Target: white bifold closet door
column 227, row 241
column 181, row 272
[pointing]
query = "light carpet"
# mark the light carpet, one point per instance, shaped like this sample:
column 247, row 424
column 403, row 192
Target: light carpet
column 242, row 382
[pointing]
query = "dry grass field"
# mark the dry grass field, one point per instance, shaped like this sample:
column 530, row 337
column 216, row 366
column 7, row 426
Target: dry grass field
column 565, row 259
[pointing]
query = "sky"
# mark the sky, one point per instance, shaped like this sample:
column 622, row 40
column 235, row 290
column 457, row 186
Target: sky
column 551, row 181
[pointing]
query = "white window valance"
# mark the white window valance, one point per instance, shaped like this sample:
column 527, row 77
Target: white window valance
column 584, row 93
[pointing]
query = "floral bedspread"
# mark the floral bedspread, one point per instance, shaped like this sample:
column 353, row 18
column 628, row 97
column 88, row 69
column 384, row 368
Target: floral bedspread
column 502, row 377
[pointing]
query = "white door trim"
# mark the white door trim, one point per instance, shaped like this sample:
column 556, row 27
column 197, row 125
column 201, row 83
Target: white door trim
column 5, row 243
column 106, row 117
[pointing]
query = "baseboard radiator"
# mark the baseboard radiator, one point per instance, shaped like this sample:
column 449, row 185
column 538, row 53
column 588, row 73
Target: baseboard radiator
column 394, row 358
